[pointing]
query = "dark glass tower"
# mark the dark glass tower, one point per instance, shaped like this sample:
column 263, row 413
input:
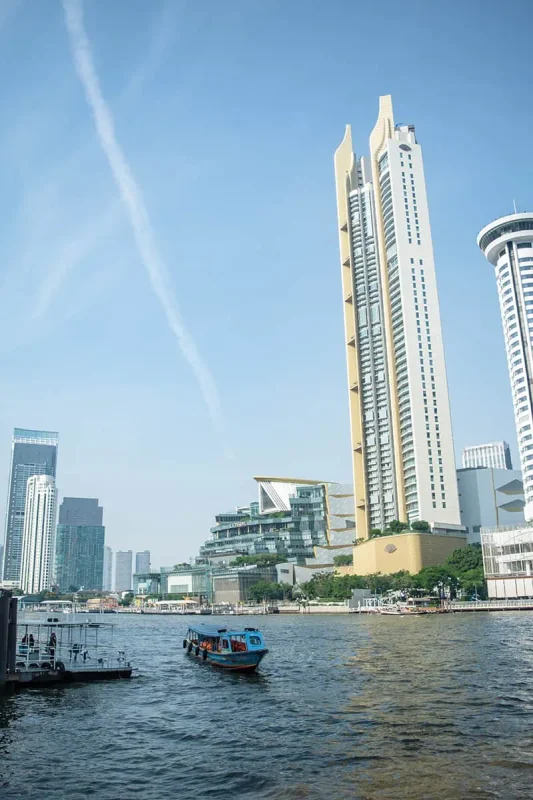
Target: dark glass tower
column 80, row 540
column 32, row 453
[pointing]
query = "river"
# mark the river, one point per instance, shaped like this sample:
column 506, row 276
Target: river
column 343, row 707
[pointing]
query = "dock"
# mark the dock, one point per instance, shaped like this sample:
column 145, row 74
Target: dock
column 37, row 654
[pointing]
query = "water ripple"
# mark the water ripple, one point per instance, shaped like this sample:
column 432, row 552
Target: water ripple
column 349, row 708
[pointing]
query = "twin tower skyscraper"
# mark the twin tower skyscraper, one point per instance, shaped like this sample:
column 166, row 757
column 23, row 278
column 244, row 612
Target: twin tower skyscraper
column 401, row 433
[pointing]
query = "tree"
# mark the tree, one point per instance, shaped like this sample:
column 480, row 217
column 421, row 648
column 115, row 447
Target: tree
column 375, row 532
column 395, row 526
column 465, row 558
column 264, row 590
column 473, row 582
column 73, row 588
column 259, row 560
column 127, row 600
column 420, row 525
column 342, row 561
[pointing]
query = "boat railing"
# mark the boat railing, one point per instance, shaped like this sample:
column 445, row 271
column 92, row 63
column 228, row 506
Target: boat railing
column 67, row 646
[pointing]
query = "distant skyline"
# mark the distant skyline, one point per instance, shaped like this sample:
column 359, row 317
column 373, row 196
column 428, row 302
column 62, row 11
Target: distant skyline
column 228, row 116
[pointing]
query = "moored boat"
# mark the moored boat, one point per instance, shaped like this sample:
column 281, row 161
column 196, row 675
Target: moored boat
column 238, row 649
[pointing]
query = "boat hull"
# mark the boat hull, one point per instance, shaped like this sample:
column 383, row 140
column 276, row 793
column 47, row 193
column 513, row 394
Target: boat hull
column 240, row 662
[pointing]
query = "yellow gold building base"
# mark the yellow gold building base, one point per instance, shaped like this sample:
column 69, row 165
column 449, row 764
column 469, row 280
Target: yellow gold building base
column 403, row 551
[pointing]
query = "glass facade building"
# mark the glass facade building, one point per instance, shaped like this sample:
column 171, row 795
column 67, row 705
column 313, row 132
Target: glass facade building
column 508, row 561
column 80, row 511
column 293, row 519
column 142, row 562
column 32, row 453
column 80, row 536
column 123, row 570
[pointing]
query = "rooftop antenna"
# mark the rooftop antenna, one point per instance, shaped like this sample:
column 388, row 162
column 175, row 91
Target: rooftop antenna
column 514, row 206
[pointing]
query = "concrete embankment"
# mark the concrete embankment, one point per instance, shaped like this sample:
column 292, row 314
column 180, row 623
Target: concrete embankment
column 324, row 608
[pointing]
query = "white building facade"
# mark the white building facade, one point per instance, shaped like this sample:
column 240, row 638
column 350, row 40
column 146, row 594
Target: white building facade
column 495, row 455
column 508, row 244
column 489, row 497
column 107, row 580
column 38, row 543
column 403, row 456
column 508, row 561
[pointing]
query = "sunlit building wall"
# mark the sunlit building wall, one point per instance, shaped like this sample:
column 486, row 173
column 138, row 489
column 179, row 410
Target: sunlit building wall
column 401, row 436
column 38, row 542
column 507, row 243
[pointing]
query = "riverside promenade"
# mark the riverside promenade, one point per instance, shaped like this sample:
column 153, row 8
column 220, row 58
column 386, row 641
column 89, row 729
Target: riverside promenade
column 493, row 605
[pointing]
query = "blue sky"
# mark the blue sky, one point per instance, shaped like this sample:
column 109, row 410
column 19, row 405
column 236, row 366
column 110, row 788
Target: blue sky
column 229, row 115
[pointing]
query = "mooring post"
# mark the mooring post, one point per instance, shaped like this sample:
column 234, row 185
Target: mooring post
column 12, row 636
column 5, row 598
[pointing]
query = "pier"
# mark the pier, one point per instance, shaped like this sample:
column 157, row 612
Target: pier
column 37, row 654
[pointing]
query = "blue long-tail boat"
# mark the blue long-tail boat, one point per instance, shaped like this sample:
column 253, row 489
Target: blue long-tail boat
column 230, row 649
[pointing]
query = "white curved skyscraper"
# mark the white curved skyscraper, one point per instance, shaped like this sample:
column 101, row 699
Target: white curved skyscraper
column 508, row 244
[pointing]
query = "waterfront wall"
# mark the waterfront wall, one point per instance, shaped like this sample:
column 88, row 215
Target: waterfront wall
column 509, row 588
column 404, row 551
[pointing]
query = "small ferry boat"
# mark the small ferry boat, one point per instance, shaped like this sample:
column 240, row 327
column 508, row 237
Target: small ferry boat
column 413, row 607
column 239, row 649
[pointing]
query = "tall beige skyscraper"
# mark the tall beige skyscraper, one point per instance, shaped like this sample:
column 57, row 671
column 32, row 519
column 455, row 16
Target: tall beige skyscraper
column 402, row 445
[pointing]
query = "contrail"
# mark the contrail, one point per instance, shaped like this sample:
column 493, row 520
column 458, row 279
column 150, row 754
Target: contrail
column 133, row 200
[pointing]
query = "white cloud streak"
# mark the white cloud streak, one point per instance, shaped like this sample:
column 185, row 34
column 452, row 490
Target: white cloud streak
column 133, row 201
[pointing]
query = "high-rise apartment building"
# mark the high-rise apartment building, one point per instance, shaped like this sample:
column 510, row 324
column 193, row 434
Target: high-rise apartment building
column 402, row 446
column 32, row 453
column 37, row 565
column 142, row 562
column 79, row 557
column 123, row 565
column 401, row 429
column 108, row 569
column 496, row 455
column 508, row 244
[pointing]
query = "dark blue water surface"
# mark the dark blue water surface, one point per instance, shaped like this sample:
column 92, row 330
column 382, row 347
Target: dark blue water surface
column 344, row 707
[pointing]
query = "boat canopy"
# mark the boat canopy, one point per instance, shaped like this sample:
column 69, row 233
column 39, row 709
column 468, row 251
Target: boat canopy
column 214, row 632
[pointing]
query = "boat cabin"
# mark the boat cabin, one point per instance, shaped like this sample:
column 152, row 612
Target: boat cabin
column 222, row 640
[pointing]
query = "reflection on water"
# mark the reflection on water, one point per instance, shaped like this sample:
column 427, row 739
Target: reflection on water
column 344, row 707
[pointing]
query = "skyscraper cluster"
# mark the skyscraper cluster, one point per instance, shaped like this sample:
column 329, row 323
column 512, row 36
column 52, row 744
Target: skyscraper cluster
column 37, row 552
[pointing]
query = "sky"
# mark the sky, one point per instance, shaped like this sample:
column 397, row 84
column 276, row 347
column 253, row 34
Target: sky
column 170, row 295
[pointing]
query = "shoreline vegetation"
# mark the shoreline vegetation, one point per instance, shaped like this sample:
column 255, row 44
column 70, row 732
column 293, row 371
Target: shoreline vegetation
column 461, row 573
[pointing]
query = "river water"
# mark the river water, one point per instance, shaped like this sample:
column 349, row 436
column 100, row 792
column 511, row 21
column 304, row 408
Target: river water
column 343, row 707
